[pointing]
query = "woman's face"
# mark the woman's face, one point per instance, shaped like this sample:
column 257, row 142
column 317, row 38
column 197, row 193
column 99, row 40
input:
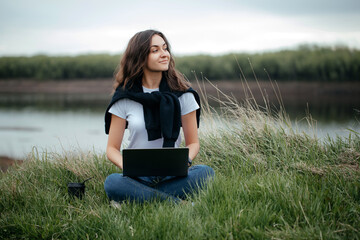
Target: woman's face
column 159, row 57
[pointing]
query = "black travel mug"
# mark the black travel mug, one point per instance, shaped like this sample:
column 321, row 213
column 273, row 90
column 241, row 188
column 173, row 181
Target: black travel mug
column 77, row 189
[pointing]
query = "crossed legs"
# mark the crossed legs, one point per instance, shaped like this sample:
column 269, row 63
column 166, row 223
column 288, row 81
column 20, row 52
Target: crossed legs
column 120, row 188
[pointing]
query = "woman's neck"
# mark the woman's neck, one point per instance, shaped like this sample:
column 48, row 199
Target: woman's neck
column 152, row 80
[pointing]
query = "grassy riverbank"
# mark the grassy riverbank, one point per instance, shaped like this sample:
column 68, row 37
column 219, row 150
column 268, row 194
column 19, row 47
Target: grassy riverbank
column 271, row 182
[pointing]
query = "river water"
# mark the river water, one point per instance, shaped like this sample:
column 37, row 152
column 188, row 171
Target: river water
column 54, row 131
column 25, row 130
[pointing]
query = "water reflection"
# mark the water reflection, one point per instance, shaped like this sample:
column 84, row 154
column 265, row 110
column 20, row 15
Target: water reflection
column 55, row 102
column 58, row 131
column 76, row 122
column 324, row 110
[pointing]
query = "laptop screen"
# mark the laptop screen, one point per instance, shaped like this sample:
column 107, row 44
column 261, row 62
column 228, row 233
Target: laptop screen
column 155, row 162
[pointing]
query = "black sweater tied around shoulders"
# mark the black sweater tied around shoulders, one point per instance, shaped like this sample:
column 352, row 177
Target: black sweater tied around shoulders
column 162, row 110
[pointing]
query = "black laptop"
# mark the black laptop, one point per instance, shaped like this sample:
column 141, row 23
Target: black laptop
column 155, row 162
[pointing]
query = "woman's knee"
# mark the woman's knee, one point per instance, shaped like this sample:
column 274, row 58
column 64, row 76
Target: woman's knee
column 200, row 174
column 112, row 182
column 205, row 171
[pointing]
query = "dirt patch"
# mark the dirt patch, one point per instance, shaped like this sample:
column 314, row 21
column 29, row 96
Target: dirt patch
column 6, row 162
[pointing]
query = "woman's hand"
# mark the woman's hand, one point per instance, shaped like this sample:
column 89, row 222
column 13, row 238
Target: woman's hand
column 116, row 134
column 189, row 126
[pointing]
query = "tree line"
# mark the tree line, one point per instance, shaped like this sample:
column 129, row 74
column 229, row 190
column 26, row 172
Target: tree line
column 306, row 63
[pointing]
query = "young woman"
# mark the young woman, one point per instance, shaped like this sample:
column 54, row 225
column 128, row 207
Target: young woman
column 152, row 100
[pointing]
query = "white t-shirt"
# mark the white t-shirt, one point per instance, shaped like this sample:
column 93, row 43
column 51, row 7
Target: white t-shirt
column 133, row 112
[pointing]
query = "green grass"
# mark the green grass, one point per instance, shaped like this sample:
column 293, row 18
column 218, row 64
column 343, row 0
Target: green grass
column 271, row 183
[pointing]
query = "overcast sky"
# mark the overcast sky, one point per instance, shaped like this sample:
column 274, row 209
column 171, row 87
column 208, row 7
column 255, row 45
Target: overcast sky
column 64, row 27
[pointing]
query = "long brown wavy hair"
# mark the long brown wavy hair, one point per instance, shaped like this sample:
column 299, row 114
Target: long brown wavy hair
column 134, row 58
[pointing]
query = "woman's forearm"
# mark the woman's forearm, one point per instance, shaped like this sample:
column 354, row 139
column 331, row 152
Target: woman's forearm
column 114, row 156
column 193, row 150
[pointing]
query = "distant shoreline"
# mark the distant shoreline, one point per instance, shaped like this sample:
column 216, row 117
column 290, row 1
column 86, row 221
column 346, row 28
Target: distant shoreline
column 100, row 89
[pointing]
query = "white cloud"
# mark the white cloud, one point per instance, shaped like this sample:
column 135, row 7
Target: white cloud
column 200, row 27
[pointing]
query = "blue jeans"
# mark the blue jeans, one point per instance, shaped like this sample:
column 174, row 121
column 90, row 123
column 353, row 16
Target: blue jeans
column 141, row 189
